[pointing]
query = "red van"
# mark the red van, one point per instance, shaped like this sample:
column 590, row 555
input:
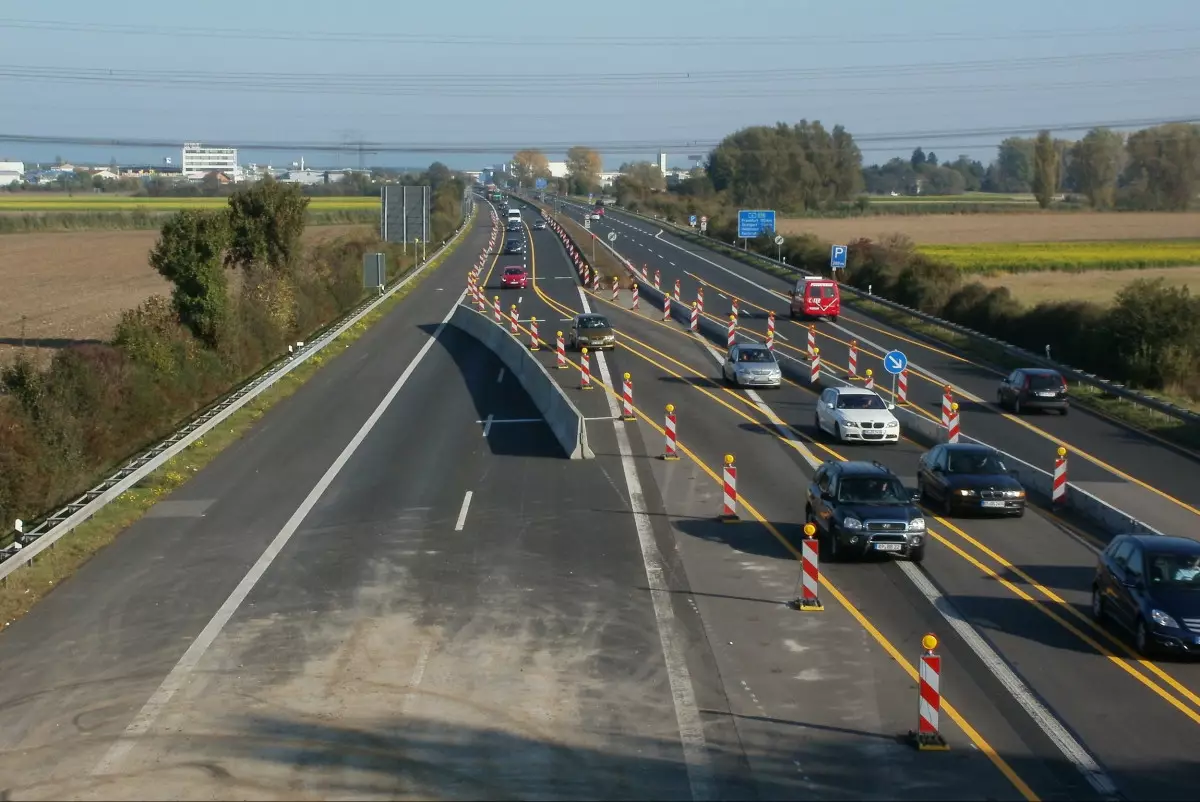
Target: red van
column 816, row 296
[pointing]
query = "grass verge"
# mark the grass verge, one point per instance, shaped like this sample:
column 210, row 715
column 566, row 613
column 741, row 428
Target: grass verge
column 1136, row 416
column 1067, row 257
column 54, row 222
column 25, row 586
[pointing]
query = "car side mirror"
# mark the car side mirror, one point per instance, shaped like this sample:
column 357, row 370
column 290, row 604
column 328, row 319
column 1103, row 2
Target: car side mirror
column 891, row 407
column 829, row 405
column 1133, row 582
column 826, row 495
column 914, row 495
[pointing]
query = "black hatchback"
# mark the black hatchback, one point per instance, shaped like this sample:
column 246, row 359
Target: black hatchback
column 1033, row 388
column 1150, row 585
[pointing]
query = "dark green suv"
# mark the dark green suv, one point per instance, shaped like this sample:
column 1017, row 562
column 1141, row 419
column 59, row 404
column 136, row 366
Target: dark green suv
column 862, row 508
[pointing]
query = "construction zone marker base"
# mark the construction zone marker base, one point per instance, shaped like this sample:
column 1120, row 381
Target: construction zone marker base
column 628, row 417
column 728, row 519
column 670, row 457
column 806, row 606
column 928, row 741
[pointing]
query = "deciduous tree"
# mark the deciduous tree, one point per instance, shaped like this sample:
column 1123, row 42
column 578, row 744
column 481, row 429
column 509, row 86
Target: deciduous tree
column 188, row 254
column 1045, row 169
column 1164, row 166
column 530, row 165
column 266, row 222
column 1096, row 163
column 584, row 166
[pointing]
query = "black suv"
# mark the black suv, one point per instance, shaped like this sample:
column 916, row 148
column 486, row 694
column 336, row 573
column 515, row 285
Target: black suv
column 514, row 246
column 1033, row 388
column 862, row 508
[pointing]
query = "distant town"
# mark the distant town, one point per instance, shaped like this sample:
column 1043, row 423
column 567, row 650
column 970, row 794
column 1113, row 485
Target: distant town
column 201, row 165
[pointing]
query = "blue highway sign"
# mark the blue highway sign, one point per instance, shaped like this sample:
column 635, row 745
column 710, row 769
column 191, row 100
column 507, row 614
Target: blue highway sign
column 539, row 183
column 752, row 222
column 692, row 220
column 895, row 362
column 837, row 259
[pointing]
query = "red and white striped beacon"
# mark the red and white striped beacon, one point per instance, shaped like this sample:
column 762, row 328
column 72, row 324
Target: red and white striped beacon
column 870, row 380
column 627, row 399
column 809, row 600
column 729, row 497
column 771, row 330
column 902, row 387
column 731, row 338
column 671, row 452
column 953, row 430
column 814, row 375
column 853, row 367
column 927, row 735
column 585, row 372
column 560, row 351
column 1058, row 492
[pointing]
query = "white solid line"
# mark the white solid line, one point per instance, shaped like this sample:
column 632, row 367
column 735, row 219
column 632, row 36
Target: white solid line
column 418, row 672
column 1045, row 720
column 493, row 421
column 462, row 513
column 683, row 694
column 500, row 378
column 487, row 425
column 179, row 675
column 519, row 297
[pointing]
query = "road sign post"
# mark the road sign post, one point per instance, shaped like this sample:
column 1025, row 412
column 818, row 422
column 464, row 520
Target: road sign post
column 612, row 236
column 778, row 247
column 754, row 222
column 703, row 224
column 692, row 220
column 837, row 258
column 894, row 362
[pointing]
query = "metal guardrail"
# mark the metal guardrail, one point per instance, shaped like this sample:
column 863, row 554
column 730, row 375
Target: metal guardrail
column 51, row 529
column 1073, row 374
column 1110, row 518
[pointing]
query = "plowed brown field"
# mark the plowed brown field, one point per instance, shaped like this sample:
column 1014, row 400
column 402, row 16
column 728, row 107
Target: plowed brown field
column 59, row 289
column 951, row 229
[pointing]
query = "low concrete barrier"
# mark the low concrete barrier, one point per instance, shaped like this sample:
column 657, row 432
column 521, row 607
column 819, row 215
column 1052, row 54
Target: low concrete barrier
column 562, row 416
column 913, row 425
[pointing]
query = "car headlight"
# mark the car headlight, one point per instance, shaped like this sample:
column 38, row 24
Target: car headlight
column 893, row 424
column 852, row 523
column 966, row 492
column 1014, row 494
column 849, row 424
column 916, row 525
column 1163, row 620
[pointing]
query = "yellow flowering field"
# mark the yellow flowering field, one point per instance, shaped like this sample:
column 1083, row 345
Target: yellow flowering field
column 1073, row 257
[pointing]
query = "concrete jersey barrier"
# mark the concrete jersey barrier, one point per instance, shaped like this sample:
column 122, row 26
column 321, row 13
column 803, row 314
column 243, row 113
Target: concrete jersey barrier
column 563, row 417
column 917, row 427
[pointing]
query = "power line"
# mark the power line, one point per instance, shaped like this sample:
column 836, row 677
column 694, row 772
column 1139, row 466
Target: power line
column 609, row 147
column 661, row 41
column 451, row 85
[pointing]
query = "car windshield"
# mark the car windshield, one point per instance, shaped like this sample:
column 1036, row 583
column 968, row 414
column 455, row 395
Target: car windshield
column 871, row 490
column 1042, row 381
column 860, row 401
column 1180, row 571
column 514, row 271
column 593, row 323
column 820, row 291
column 755, row 355
column 975, row 462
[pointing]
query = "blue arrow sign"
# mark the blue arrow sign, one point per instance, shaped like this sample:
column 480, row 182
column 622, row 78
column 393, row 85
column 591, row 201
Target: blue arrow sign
column 837, row 259
column 895, row 362
column 692, row 220
column 539, row 183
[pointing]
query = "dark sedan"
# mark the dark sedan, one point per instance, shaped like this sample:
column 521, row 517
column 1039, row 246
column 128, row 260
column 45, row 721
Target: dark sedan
column 1035, row 389
column 1150, row 586
column 962, row 477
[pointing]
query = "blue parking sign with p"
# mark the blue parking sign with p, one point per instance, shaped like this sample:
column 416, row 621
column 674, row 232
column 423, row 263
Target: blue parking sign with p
column 837, row 257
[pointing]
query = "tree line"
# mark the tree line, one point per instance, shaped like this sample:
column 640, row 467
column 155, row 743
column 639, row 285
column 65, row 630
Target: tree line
column 806, row 168
column 243, row 286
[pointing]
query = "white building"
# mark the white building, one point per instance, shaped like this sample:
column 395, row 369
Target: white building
column 662, row 164
column 11, row 171
column 558, row 169
column 198, row 161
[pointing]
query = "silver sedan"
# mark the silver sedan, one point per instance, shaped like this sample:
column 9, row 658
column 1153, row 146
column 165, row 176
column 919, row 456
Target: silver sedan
column 752, row 365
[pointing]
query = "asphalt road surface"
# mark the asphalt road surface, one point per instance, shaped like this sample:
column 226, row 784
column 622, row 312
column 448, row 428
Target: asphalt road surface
column 396, row 586
column 1147, row 477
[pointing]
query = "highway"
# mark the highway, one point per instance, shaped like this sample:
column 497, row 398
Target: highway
column 1023, row 585
column 396, row 586
column 1149, row 479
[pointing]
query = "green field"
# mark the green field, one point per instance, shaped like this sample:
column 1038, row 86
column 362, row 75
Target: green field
column 62, row 202
column 1025, row 257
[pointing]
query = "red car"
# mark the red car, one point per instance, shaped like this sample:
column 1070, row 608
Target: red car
column 514, row 276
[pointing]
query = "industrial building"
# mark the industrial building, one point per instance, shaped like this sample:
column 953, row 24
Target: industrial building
column 198, row 161
column 10, row 172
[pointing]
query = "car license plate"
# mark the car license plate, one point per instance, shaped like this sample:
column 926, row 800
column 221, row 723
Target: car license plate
column 992, row 504
column 889, row 546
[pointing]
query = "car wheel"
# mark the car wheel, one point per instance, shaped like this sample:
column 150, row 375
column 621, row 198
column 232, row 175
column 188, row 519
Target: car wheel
column 834, row 318
column 817, row 424
column 1141, row 639
column 837, row 432
column 1020, row 513
column 922, row 491
column 1000, row 399
column 947, row 505
column 1016, row 405
column 1063, row 411
column 917, row 554
column 1098, row 611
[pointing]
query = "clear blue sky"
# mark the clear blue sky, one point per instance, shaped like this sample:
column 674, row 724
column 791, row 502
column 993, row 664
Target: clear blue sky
column 552, row 72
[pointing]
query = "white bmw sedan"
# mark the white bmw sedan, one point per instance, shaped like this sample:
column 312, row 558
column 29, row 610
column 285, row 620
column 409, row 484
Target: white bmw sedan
column 857, row 414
